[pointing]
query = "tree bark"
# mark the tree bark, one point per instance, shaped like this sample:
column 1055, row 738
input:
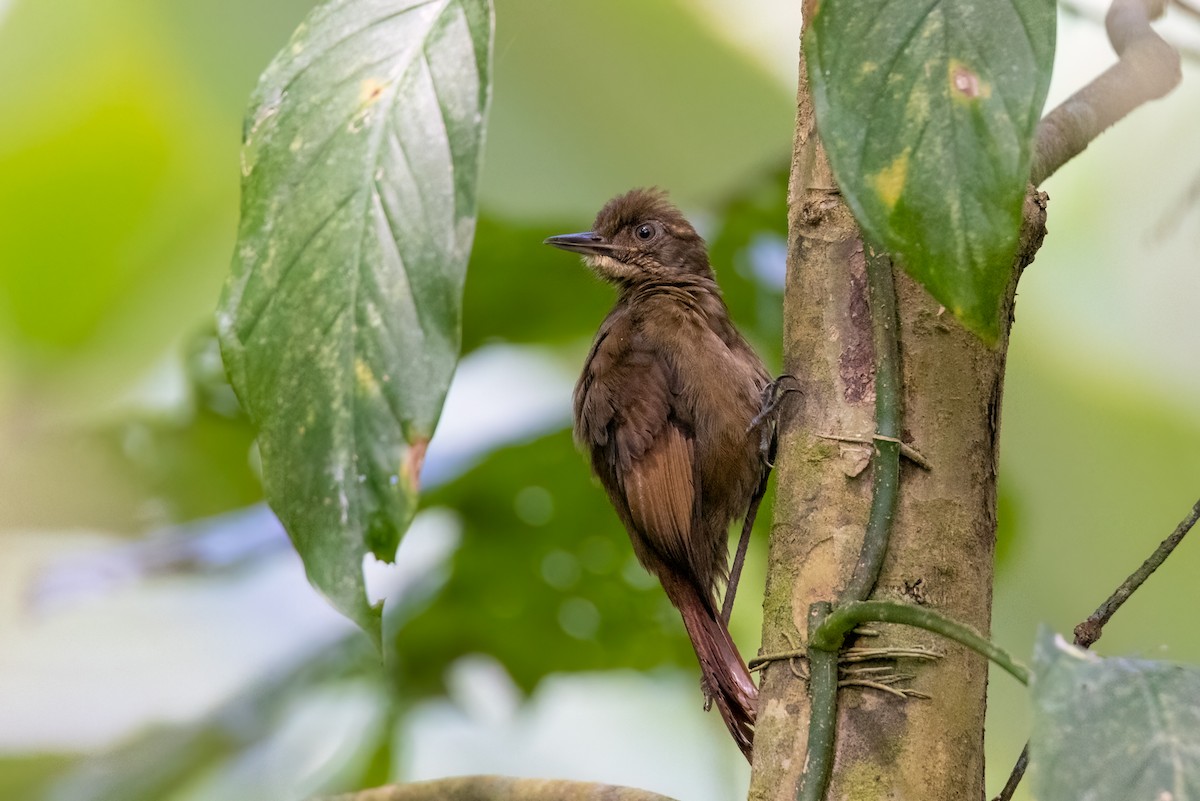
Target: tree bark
column 944, row 531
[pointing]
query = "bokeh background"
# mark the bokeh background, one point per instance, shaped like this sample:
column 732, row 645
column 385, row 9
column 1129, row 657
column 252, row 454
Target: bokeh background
column 157, row 638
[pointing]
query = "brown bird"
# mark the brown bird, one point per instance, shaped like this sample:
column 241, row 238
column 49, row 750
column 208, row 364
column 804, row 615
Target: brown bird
column 664, row 407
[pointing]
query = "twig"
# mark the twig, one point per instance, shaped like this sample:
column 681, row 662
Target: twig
column 765, row 422
column 1014, row 778
column 1147, row 69
column 791, row 657
column 885, row 687
column 739, row 556
column 1087, row 632
column 852, row 655
column 906, row 450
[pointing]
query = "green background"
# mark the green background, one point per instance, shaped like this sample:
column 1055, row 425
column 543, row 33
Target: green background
column 119, row 130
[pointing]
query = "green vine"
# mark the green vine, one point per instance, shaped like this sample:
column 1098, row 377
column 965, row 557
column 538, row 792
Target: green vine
column 885, row 462
column 822, row 718
column 822, row 662
column 829, row 625
column 829, row 635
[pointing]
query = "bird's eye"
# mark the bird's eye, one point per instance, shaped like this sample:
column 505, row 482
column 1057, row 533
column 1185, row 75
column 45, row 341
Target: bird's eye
column 645, row 231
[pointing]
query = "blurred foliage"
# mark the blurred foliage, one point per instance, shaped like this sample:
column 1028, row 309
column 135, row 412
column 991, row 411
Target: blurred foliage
column 118, row 206
column 544, row 579
column 196, row 463
column 595, row 98
column 117, row 226
column 520, row 291
column 168, row 761
column 166, row 467
column 28, row 776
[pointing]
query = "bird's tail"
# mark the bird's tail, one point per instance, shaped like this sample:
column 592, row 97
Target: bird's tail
column 726, row 680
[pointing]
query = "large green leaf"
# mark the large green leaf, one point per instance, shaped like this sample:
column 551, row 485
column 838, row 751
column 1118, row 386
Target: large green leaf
column 1114, row 729
column 340, row 324
column 928, row 110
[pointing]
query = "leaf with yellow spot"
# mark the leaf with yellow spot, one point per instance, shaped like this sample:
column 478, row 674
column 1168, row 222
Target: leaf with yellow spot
column 928, row 112
column 360, row 164
column 889, row 182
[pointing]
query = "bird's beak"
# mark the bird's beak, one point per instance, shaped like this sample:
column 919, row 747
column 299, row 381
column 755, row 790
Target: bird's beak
column 588, row 243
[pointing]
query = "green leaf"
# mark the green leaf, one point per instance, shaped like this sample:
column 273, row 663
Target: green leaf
column 1112, row 728
column 928, row 110
column 340, row 323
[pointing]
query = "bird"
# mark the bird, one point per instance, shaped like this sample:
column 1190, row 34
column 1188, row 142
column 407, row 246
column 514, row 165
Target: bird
column 665, row 407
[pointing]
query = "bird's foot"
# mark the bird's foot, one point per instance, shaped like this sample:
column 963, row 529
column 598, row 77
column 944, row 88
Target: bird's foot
column 772, row 398
column 768, row 415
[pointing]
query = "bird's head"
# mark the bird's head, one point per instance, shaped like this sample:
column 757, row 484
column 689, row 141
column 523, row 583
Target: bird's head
column 639, row 236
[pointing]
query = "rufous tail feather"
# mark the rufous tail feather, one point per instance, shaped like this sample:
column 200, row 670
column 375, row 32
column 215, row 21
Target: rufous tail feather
column 726, row 677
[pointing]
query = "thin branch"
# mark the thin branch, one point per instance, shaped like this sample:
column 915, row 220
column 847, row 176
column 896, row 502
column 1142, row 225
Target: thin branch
column 1147, row 69
column 499, row 788
column 1089, row 631
column 739, row 556
column 1014, row 778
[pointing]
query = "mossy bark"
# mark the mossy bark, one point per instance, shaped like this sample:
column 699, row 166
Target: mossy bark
column 944, row 530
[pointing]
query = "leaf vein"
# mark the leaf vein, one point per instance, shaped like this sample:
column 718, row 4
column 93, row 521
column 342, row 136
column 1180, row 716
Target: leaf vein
column 256, row 316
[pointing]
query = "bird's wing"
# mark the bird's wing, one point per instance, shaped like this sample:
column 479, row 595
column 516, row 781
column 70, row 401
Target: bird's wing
column 661, row 493
column 628, row 416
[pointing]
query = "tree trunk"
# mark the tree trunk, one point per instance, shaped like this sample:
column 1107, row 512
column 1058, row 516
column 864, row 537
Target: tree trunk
column 944, row 531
